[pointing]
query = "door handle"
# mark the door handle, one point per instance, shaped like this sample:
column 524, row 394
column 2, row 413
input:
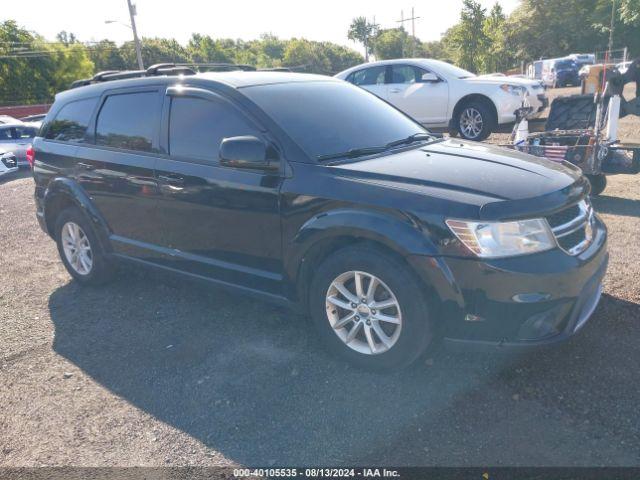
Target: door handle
column 395, row 90
column 175, row 180
column 85, row 166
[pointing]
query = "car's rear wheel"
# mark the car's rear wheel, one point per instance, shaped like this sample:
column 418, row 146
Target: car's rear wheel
column 475, row 121
column 80, row 250
column 370, row 309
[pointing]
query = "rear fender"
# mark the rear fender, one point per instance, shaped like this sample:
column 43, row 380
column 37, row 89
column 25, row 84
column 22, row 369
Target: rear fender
column 65, row 190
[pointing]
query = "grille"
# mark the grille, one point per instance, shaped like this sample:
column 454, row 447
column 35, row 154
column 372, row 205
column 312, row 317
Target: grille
column 563, row 216
column 572, row 227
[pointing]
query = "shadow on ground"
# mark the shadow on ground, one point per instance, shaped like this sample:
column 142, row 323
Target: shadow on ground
column 616, row 206
column 22, row 173
column 248, row 379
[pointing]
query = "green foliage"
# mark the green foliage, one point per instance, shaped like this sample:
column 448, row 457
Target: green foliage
column 468, row 41
column 307, row 56
column 391, row 43
column 362, row 31
column 32, row 70
column 491, row 41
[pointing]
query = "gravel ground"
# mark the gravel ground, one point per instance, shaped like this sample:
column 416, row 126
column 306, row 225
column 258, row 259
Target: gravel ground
column 154, row 372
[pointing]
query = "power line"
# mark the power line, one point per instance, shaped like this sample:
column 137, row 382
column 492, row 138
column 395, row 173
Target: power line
column 413, row 29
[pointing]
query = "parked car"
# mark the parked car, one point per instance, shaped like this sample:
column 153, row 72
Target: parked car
column 4, row 119
column 560, row 72
column 34, row 118
column 308, row 191
column 438, row 94
column 8, row 163
column 17, row 137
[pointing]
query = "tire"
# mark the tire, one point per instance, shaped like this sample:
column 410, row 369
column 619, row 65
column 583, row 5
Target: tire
column 100, row 269
column 469, row 111
column 598, row 183
column 408, row 340
column 571, row 113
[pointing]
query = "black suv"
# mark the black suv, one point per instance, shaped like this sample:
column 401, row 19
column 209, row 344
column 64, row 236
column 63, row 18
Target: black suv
column 307, row 190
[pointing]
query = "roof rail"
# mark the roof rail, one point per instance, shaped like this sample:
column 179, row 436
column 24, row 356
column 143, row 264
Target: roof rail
column 167, row 69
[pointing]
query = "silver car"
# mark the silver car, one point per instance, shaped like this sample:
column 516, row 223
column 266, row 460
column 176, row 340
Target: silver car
column 16, row 138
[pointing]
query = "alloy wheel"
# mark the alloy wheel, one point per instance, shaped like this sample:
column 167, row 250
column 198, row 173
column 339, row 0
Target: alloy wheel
column 77, row 248
column 363, row 312
column 471, row 122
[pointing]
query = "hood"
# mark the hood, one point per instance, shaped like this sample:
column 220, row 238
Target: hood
column 496, row 80
column 502, row 182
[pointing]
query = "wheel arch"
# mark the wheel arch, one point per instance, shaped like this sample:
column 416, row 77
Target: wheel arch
column 63, row 193
column 471, row 98
column 325, row 234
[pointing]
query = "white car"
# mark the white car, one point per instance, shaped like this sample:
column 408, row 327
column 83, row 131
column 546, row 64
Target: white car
column 8, row 163
column 438, row 94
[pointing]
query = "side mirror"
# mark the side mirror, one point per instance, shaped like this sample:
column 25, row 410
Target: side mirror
column 245, row 152
column 429, row 77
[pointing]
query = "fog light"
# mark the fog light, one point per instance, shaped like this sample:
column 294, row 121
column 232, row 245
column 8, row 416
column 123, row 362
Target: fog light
column 543, row 324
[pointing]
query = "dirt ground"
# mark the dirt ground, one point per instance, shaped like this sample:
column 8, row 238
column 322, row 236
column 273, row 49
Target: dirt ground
column 156, row 372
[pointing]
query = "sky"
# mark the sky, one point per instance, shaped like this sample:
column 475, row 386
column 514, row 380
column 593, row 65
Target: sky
column 245, row 19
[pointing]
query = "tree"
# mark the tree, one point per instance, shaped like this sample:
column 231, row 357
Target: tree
column 362, row 31
column 496, row 55
column 307, row 56
column 106, row 55
column 340, row 58
column 390, row 43
column 467, row 39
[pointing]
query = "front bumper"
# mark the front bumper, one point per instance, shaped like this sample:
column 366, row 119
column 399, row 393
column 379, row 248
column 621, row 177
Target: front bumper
column 507, row 104
column 521, row 302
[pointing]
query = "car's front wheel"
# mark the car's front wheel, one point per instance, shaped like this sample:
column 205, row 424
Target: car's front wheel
column 475, row 121
column 598, row 183
column 370, row 309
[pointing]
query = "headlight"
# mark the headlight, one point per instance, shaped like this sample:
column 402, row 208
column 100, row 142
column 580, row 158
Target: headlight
column 514, row 89
column 504, row 239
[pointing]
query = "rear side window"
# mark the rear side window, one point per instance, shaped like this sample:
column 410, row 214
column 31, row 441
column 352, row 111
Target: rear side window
column 406, row 74
column 25, row 132
column 368, row 76
column 129, row 121
column 70, row 124
column 197, row 126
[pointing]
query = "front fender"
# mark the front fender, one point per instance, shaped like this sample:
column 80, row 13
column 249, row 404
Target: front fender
column 64, row 191
column 400, row 233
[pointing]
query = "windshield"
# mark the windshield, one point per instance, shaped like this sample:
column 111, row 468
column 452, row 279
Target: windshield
column 565, row 64
column 327, row 118
column 450, row 70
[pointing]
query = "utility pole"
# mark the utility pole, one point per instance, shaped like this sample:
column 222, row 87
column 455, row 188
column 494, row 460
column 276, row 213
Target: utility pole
column 413, row 29
column 136, row 40
column 613, row 15
column 374, row 27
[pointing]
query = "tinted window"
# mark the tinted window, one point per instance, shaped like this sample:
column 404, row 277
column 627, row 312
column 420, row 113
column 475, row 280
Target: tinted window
column 25, row 132
column 5, row 134
column 368, row 76
column 129, row 121
column 406, row 74
column 331, row 117
column 197, row 126
column 70, row 124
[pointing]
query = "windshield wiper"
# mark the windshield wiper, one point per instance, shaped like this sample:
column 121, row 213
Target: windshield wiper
column 361, row 152
column 416, row 137
column 353, row 153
